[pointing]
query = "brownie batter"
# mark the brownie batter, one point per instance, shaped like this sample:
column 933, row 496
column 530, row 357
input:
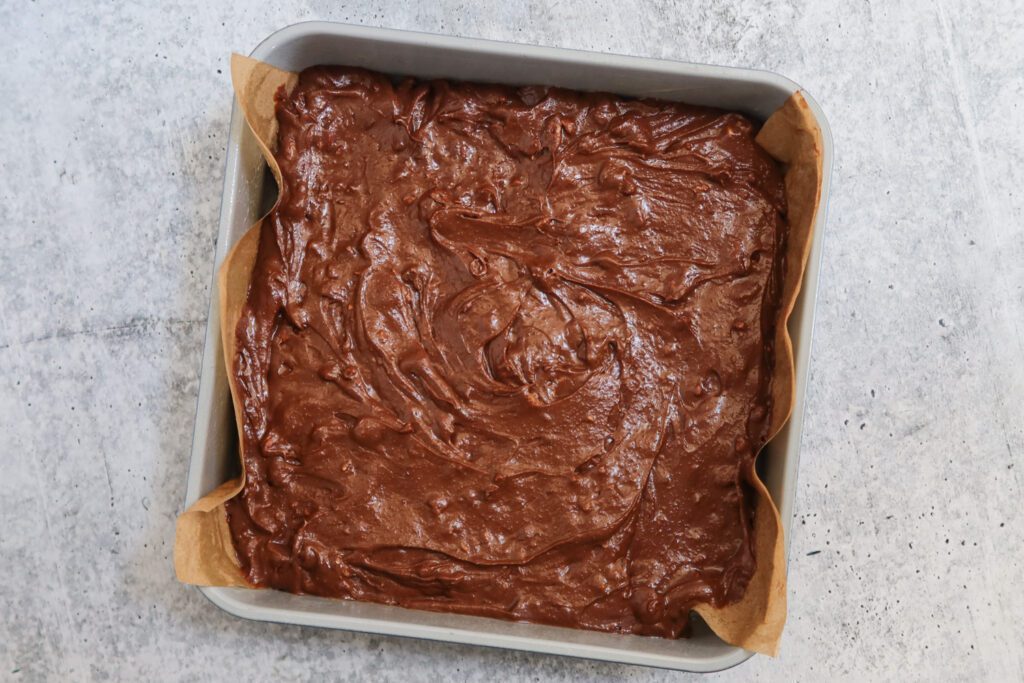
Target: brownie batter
column 507, row 352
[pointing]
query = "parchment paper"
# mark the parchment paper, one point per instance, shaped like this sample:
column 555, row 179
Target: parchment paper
column 203, row 552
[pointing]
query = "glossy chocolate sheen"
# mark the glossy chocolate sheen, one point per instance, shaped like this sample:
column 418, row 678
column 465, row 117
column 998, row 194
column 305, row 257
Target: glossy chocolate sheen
column 507, row 352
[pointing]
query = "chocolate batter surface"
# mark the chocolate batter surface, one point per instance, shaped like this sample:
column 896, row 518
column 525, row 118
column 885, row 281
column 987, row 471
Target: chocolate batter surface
column 507, row 352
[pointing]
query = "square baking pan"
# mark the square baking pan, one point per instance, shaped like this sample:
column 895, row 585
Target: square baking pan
column 248, row 192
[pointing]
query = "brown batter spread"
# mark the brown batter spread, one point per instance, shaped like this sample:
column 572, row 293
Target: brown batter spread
column 507, row 352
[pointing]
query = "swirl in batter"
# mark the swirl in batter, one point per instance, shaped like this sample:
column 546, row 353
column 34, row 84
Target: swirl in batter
column 507, row 351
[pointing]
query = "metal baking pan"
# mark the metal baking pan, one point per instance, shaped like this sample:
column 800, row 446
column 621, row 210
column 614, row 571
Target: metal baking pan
column 214, row 446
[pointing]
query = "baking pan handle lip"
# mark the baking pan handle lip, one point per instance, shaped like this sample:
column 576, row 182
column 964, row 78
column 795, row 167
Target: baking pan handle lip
column 211, row 339
column 222, row 599
column 265, row 49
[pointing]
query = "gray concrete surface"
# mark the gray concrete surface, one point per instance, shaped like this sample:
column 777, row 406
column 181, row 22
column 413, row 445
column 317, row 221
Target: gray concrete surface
column 908, row 552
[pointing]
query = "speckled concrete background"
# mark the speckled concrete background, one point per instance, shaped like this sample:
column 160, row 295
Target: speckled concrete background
column 908, row 551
